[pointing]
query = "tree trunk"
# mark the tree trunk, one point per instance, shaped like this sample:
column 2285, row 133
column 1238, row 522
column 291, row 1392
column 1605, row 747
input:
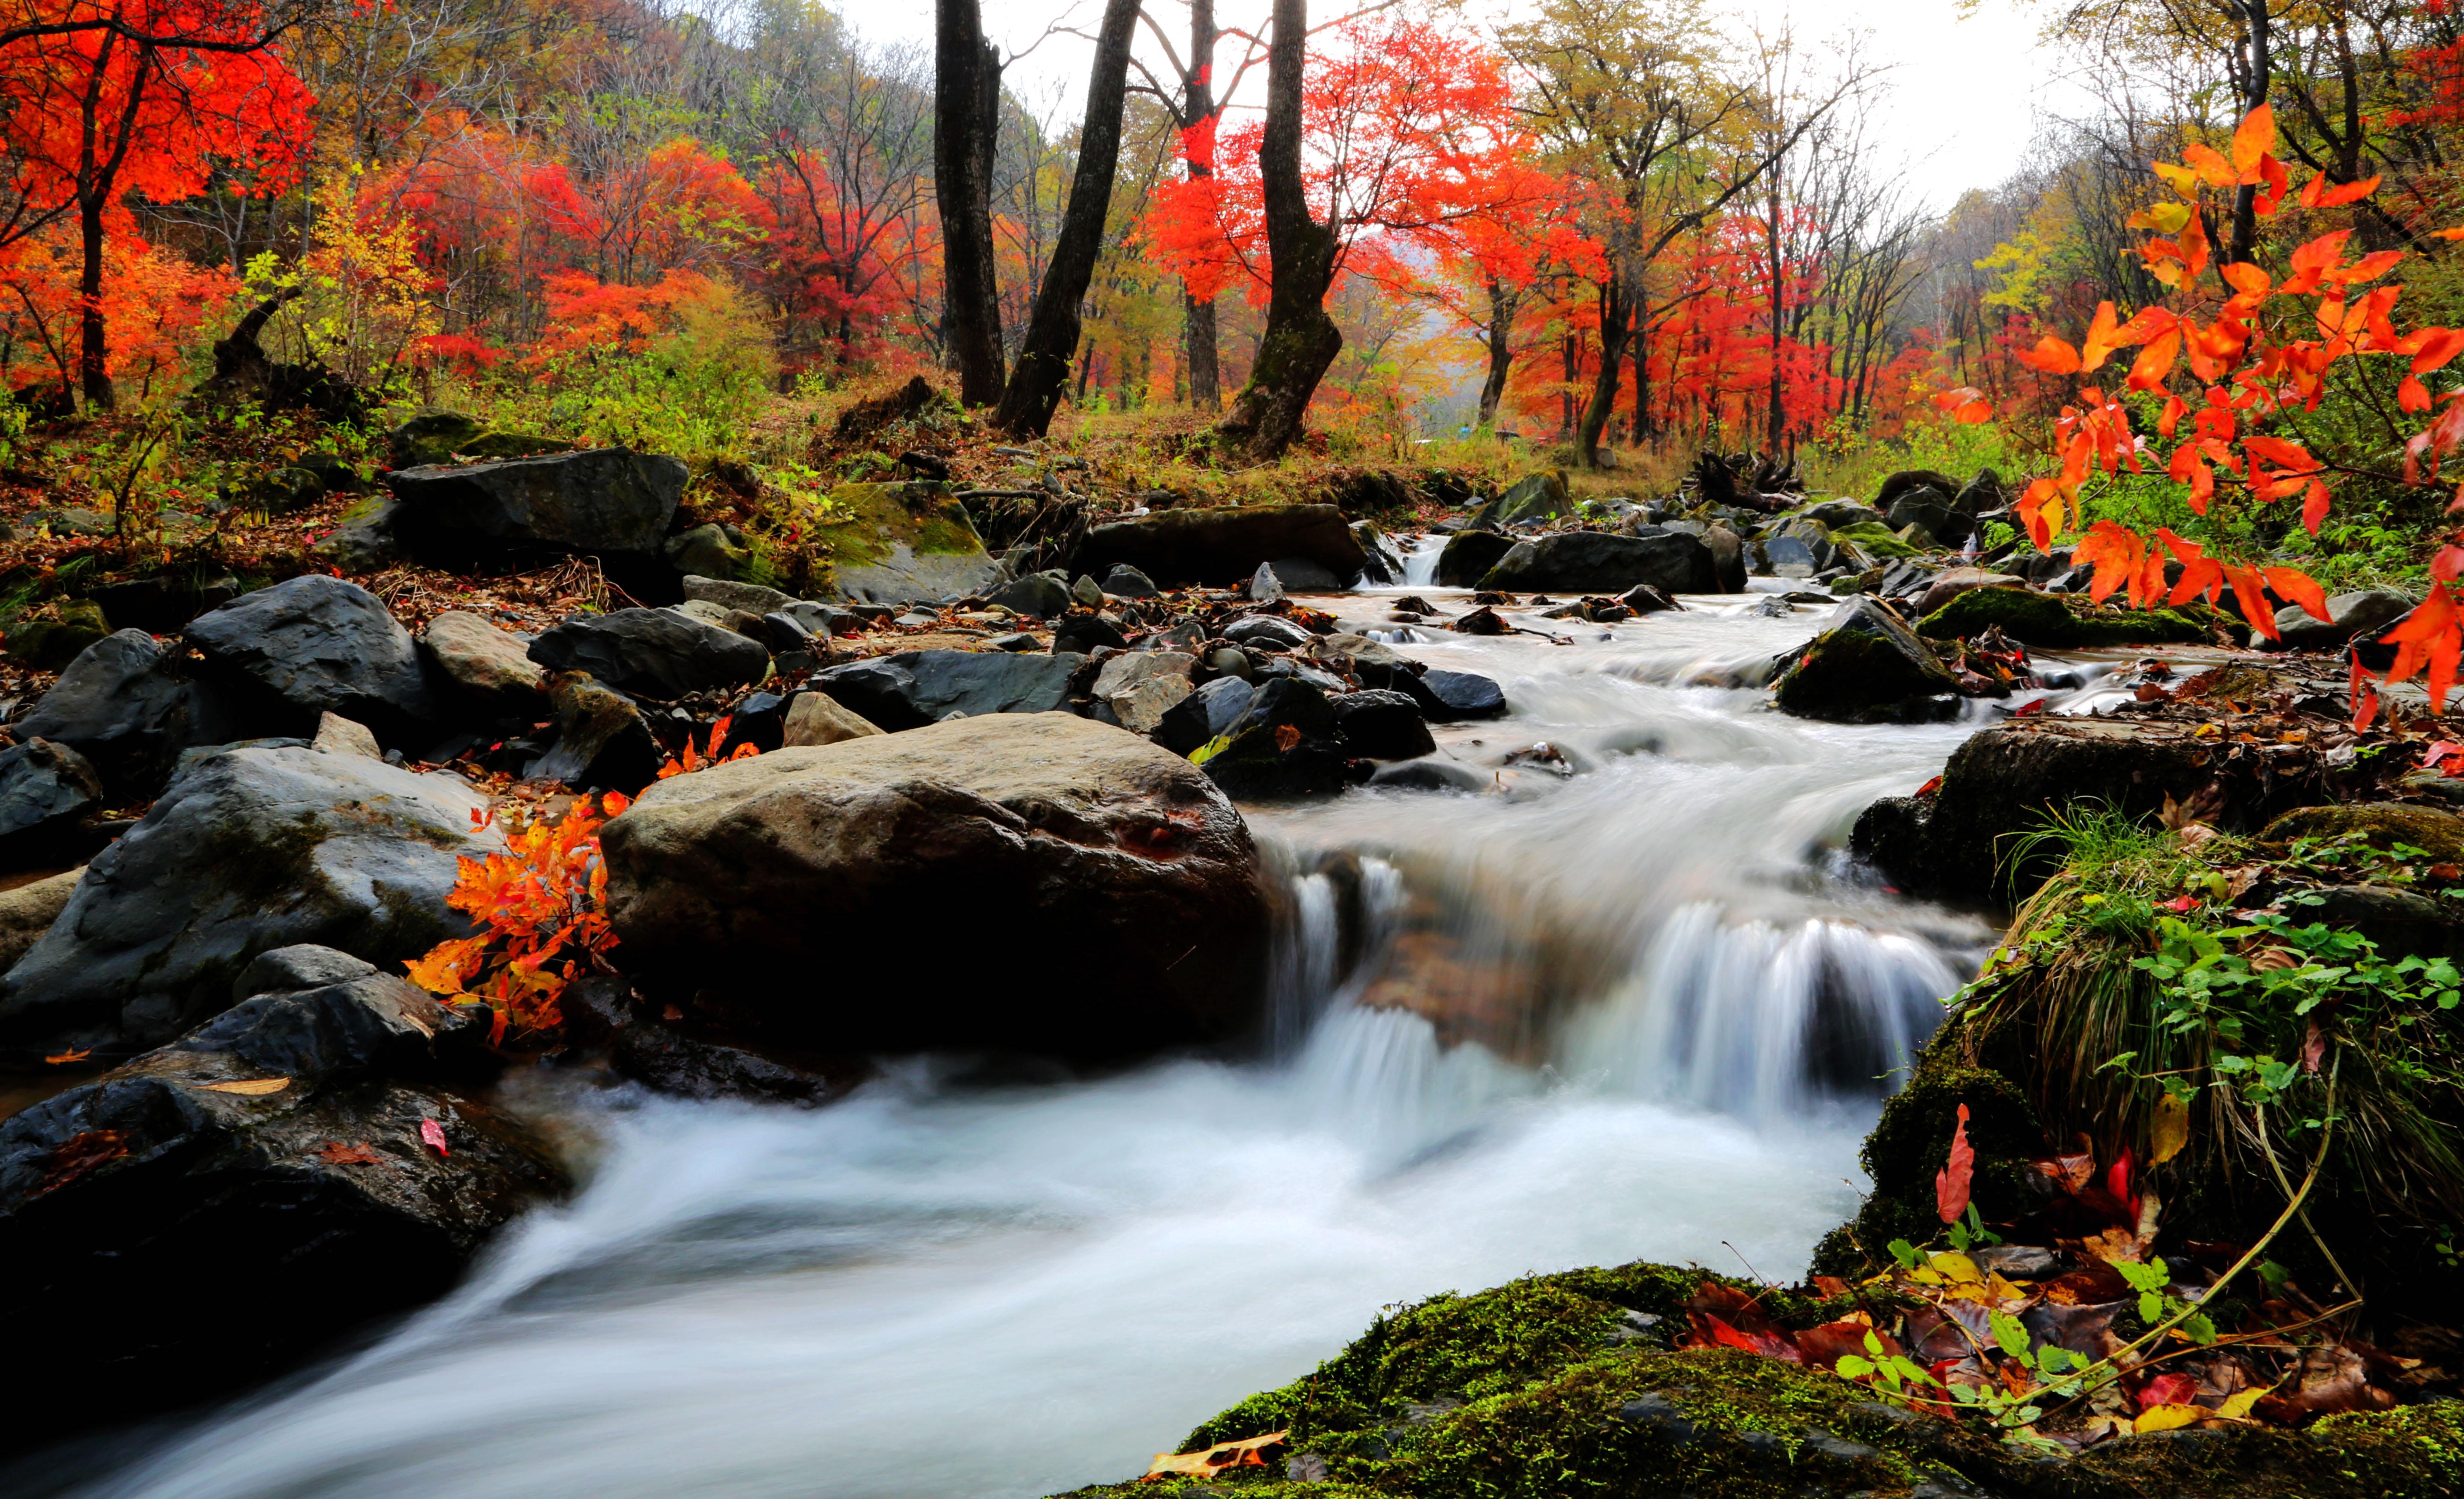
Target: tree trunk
column 1053, row 327
column 1642, row 356
column 1501, row 349
column 94, row 371
column 966, row 124
column 1772, row 429
column 1198, row 326
column 1301, row 340
column 2258, row 66
column 1616, row 325
column 1205, row 370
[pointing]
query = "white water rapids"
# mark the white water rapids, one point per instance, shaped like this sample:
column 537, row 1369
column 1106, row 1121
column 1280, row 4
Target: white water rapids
column 953, row 1287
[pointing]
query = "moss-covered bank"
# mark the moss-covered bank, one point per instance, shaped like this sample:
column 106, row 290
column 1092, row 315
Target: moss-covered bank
column 2052, row 621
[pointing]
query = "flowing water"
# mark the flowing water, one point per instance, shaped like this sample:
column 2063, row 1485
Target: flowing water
column 1628, row 1002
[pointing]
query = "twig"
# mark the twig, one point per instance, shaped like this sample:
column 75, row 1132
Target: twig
column 2259, row 1115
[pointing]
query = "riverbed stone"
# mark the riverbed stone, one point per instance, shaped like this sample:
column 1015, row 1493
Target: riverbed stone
column 1453, row 696
column 816, row 718
column 489, row 666
column 603, row 739
column 2365, row 612
column 596, row 502
column 46, row 792
column 1141, row 685
column 266, row 845
column 1598, row 562
column 1867, row 666
column 1223, row 544
column 1057, row 846
column 914, row 688
column 314, row 645
column 1210, row 711
column 1469, row 555
column 123, row 706
column 1267, row 633
column 1382, row 724
column 656, row 653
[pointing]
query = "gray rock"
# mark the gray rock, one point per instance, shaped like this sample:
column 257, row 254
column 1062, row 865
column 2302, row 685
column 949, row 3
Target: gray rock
column 303, row 965
column 1019, row 640
column 1980, row 494
column 1086, row 592
column 364, row 539
column 337, row 735
column 1837, row 512
column 489, row 667
column 599, row 502
column 1865, row 666
column 1301, row 573
column 1594, row 562
column 366, row 1022
column 1231, row 661
column 705, row 552
column 1266, row 632
column 1469, row 555
column 269, row 846
column 1125, row 582
column 1381, row 560
column 1455, row 696
column 1082, row 633
column 1223, row 544
column 28, row 912
column 1382, row 725
column 729, row 594
column 601, row 739
column 316, row 645
column 1431, row 775
column 1055, row 837
column 46, row 791
column 653, row 652
column 2018, row 1261
column 1204, row 713
column 1035, row 594
column 1260, row 758
column 2370, row 610
column 1265, row 587
column 815, row 719
column 914, row 688
column 1141, row 685
column 1535, row 496
column 1932, row 512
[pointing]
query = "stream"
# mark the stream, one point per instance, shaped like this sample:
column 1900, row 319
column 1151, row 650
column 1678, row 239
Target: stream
column 1676, row 1012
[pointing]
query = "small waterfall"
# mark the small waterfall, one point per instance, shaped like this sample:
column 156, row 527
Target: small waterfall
column 1421, row 564
column 1333, row 926
column 1764, row 1019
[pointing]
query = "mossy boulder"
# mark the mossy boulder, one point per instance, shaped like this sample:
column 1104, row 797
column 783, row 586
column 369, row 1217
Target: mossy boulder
column 1911, row 1143
column 1873, row 539
column 49, row 645
column 1864, row 667
column 1566, row 1384
column 901, row 544
column 2381, row 824
column 2049, row 621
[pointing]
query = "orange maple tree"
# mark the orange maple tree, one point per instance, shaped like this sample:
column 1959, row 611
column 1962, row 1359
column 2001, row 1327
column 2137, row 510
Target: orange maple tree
column 2258, row 351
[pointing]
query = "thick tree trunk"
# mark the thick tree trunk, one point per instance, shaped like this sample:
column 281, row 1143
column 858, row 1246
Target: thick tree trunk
column 1616, row 325
column 1641, row 354
column 94, row 351
column 1205, row 369
column 1301, row 340
column 966, row 124
column 1197, row 327
column 1052, row 328
column 1501, row 349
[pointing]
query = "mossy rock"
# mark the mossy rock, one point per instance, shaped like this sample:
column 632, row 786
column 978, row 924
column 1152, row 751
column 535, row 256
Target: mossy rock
column 2381, row 824
column 1563, row 1385
column 1873, row 539
column 1911, row 1143
column 2049, row 621
column 49, row 645
column 901, row 542
column 511, row 445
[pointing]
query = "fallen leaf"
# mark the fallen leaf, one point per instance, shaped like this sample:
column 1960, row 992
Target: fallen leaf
column 79, row 1155
column 63, row 1058
column 2166, row 1417
column 2172, row 1129
column 249, row 1088
column 1243, row 1453
column 2237, row 1405
column 434, row 1134
column 1286, row 734
column 338, row 1153
column 1957, row 1269
column 1950, row 1184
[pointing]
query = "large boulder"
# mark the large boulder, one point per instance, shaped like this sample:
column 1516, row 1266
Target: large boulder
column 2367, row 612
column 121, row 706
column 490, row 667
column 1867, row 666
column 311, row 645
column 902, row 543
column 1933, row 512
column 1468, row 555
column 250, row 848
column 2049, row 621
column 657, row 653
column 914, row 688
column 1598, row 562
column 1029, row 881
column 1223, row 544
column 47, row 792
column 599, row 503
column 271, row 1165
column 1535, row 496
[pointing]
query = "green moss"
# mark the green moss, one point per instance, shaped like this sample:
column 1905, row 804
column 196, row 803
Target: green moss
column 864, row 523
column 1873, row 539
column 2054, row 621
column 1862, row 676
column 2381, row 824
column 1911, row 1142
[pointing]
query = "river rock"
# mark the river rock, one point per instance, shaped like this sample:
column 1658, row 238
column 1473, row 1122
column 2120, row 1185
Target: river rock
column 1836, row 513
column 914, row 688
column 311, row 645
column 1039, row 594
column 1285, row 744
column 1125, row 582
column 1931, row 512
column 132, row 1203
column 489, row 667
column 1907, row 480
column 1953, row 581
column 1141, row 685
column 1469, row 555
column 160, row 605
column 1535, row 496
column 265, row 845
column 46, row 792
column 28, row 912
column 902, row 543
column 1223, row 544
column 363, row 539
column 1979, row 494
column 1867, row 666
column 1728, row 551
column 2369, row 610
column 1010, row 855
column 1267, row 633
column 1594, row 561
column 601, row 739
column 1265, row 587
column 596, row 502
column 1455, row 696
column 656, row 653
column 1082, row 633
column 1206, row 712
column 705, row 551
column 1304, row 574
column 816, row 718
column 120, row 705
column 1382, row 725
column 1381, row 560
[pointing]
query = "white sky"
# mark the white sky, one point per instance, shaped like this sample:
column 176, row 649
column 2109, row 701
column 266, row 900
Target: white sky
column 1961, row 100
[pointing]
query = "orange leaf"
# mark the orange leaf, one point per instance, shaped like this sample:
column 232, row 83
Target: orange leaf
column 2252, row 596
column 2298, row 586
column 2313, row 509
column 2100, row 345
column 2053, row 356
column 2210, row 165
column 2245, row 277
column 1223, row 1455
column 337, row 1154
column 2412, row 395
column 64, row 1058
column 2319, row 195
column 2155, row 363
column 2254, row 138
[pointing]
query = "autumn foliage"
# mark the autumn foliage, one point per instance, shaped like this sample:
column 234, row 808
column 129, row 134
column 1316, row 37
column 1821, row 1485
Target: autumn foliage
column 540, row 911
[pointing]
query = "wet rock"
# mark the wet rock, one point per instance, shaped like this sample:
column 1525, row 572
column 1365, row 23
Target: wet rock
column 689, row 1061
column 1383, row 562
column 1266, row 632
column 119, row 705
column 131, row 1203
column 2046, row 622
column 656, row 653
column 1304, row 574
column 1481, row 621
column 601, row 738
column 314, row 645
column 914, row 688
column 1284, row 744
column 599, row 503
column 1126, row 581
column 1644, row 599
column 1459, row 695
column 1430, row 775
column 269, row 846
column 1080, row 635
column 490, row 667
column 1141, row 685
column 1594, row 562
column 816, row 718
column 1727, row 560
column 1469, row 556
column 1203, row 715
column 28, row 912
column 1867, row 666
column 750, row 597
column 1953, row 581
column 1043, row 833
column 2368, row 611
column 1223, row 544
column 1382, row 725
column 48, row 792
